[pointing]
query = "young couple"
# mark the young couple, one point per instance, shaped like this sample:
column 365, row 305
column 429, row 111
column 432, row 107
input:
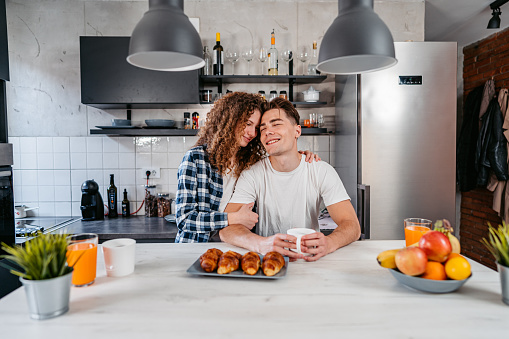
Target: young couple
column 221, row 178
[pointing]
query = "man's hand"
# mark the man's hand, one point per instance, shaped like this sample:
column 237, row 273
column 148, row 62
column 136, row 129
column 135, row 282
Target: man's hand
column 280, row 243
column 316, row 244
column 244, row 216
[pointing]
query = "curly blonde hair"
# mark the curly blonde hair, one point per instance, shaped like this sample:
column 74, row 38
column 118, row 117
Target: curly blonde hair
column 225, row 122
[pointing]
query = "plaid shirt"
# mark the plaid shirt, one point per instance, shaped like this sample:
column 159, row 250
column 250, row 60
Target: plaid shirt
column 199, row 192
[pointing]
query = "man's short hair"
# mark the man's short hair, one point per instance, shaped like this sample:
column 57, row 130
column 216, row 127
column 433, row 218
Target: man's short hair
column 286, row 106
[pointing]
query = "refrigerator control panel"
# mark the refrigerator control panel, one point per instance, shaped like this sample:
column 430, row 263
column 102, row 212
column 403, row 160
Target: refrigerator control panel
column 410, row 79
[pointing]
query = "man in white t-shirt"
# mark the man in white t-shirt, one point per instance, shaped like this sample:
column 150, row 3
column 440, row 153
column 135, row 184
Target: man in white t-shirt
column 288, row 192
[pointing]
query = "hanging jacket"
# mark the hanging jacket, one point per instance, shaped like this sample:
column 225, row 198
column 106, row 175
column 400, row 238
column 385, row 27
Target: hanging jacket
column 491, row 151
column 466, row 171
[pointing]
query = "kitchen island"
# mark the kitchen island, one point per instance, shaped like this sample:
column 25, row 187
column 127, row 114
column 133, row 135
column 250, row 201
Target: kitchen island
column 345, row 294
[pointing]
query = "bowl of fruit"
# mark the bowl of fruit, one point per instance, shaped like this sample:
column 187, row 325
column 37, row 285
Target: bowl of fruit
column 432, row 265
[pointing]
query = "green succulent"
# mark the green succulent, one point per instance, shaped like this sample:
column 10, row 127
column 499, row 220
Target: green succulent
column 43, row 257
column 498, row 243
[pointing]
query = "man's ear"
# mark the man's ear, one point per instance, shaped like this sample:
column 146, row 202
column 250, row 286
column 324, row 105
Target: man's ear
column 298, row 131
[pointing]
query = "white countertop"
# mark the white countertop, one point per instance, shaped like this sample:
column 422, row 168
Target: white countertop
column 345, row 294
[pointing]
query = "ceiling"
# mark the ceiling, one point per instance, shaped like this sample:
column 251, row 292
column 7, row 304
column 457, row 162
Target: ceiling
column 463, row 21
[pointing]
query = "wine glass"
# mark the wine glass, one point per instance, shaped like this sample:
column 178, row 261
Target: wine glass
column 303, row 56
column 248, row 55
column 287, row 56
column 232, row 56
column 262, row 56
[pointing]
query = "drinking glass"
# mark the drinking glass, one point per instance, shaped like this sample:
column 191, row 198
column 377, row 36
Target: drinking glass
column 303, row 56
column 319, row 120
column 312, row 119
column 262, row 56
column 82, row 256
column 287, row 56
column 248, row 55
column 232, row 56
column 415, row 228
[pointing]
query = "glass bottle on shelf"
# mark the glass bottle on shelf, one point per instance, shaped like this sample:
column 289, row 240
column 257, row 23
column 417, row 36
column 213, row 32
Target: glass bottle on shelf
column 313, row 62
column 207, row 59
column 273, row 55
column 218, row 63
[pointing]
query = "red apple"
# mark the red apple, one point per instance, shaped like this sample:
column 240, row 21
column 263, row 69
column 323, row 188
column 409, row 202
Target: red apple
column 436, row 245
column 411, row 261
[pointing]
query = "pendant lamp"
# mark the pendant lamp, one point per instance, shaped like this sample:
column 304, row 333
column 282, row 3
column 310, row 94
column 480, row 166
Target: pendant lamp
column 165, row 39
column 357, row 41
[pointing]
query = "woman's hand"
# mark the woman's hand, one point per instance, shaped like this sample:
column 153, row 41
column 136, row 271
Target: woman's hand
column 310, row 156
column 245, row 216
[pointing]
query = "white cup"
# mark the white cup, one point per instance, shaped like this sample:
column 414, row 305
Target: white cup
column 119, row 256
column 298, row 233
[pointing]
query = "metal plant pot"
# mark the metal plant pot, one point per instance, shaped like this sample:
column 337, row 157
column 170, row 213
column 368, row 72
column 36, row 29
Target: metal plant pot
column 504, row 281
column 48, row 298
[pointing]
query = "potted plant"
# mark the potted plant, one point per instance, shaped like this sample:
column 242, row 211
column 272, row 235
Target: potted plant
column 42, row 267
column 498, row 245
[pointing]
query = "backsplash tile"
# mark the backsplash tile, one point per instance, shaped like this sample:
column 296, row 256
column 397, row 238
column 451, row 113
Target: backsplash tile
column 48, row 171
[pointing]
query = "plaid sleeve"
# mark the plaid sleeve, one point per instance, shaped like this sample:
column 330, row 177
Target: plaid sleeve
column 195, row 221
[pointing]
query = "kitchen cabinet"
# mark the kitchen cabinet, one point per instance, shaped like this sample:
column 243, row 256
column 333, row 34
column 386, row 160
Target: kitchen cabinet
column 109, row 81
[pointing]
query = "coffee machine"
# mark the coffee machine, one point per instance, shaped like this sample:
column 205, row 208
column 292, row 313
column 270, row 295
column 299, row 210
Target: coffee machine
column 92, row 206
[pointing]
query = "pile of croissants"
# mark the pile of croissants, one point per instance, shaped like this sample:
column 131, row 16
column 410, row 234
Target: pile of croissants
column 250, row 262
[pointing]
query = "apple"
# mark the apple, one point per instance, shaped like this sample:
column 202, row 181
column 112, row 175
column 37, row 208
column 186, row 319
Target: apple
column 436, row 245
column 411, row 261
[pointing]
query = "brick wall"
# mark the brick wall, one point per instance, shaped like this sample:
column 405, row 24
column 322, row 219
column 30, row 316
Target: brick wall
column 483, row 60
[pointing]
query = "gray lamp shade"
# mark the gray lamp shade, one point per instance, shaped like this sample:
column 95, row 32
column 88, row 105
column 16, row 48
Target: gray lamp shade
column 165, row 39
column 358, row 41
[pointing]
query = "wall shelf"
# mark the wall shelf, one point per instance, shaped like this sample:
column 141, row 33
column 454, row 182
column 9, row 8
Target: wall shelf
column 172, row 132
column 219, row 80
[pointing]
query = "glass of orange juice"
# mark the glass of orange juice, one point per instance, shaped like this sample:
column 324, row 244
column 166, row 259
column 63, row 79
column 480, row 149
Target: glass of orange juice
column 415, row 228
column 82, row 256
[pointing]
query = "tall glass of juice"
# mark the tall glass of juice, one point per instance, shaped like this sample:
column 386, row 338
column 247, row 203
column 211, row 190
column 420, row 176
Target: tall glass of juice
column 82, row 256
column 415, row 228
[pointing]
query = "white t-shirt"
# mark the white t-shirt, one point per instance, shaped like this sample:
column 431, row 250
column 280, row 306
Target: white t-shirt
column 289, row 199
column 229, row 181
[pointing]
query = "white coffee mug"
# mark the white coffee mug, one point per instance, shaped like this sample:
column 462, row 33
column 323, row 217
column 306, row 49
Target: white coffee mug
column 119, row 256
column 298, row 233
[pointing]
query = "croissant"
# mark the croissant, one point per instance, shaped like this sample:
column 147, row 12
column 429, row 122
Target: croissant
column 228, row 262
column 250, row 263
column 209, row 259
column 273, row 262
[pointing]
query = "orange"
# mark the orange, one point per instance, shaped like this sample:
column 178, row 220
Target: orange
column 434, row 271
column 457, row 268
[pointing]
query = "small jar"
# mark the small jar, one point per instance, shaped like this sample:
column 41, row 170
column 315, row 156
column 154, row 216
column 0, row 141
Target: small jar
column 196, row 118
column 262, row 94
column 206, row 95
column 272, row 95
column 163, row 204
column 282, row 94
column 187, row 120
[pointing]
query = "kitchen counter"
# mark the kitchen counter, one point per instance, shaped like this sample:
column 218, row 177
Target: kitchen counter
column 345, row 294
column 141, row 228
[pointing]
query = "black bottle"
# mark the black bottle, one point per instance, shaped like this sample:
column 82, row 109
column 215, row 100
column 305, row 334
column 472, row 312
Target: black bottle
column 126, row 210
column 112, row 198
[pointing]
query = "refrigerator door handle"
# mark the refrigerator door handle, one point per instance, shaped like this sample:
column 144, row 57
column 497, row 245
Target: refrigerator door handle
column 363, row 197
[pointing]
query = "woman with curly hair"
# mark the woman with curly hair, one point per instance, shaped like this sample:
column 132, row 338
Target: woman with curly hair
column 227, row 145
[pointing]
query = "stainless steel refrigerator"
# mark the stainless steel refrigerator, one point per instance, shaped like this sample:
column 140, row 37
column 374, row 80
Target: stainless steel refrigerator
column 395, row 142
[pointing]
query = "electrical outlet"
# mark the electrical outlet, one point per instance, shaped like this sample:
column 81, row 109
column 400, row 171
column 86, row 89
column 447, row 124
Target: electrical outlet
column 155, row 172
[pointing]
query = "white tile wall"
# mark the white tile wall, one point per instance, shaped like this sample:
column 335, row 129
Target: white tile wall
column 48, row 171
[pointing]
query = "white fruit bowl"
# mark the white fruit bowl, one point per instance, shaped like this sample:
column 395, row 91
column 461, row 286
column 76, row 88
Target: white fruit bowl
column 428, row 285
